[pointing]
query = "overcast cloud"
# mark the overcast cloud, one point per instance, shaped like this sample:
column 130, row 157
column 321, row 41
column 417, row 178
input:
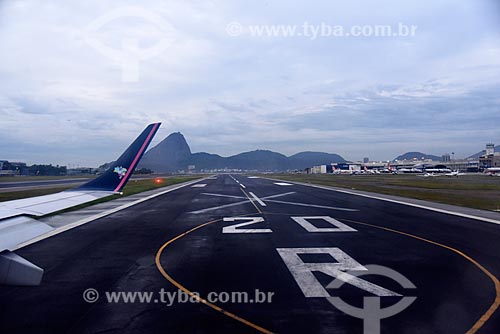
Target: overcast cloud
column 62, row 101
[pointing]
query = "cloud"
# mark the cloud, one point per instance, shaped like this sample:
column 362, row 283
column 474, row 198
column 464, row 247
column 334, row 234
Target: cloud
column 436, row 91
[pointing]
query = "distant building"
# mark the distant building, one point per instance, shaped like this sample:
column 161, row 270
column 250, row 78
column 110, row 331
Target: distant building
column 17, row 168
column 347, row 167
column 490, row 158
column 12, row 168
column 490, row 149
column 489, row 161
column 366, row 160
column 446, row 158
column 323, row 169
column 81, row 171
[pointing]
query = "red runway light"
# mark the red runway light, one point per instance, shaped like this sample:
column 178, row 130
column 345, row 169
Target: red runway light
column 158, row 180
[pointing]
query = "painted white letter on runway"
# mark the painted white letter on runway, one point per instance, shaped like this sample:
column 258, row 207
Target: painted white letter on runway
column 339, row 227
column 311, row 287
column 253, row 220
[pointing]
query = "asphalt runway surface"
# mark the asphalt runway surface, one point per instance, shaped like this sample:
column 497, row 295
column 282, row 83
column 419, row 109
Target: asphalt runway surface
column 293, row 243
column 36, row 184
column 20, row 184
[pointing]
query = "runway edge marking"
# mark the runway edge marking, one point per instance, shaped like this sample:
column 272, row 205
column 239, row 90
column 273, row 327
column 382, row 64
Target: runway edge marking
column 464, row 215
column 100, row 215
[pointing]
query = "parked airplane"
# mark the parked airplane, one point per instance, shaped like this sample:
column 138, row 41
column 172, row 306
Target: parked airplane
column 18, row 222
column 410, row 170
column 437, row 170
column 493, row 171
column 455, row 173
column 429, row 175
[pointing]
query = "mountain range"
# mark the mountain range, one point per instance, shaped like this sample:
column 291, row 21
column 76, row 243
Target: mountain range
column 417, row 156
column 173, row 154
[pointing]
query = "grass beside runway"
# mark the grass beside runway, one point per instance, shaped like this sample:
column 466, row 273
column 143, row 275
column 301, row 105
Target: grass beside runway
column 473, row 191
column 132, row 187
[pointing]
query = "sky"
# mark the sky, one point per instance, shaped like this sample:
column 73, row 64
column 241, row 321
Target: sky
column 79, row 80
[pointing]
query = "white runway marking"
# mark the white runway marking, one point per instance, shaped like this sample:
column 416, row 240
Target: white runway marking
column 267, row 199
column 199, row 185
column 311, row 287
column 339, row 227
column 253, row 220
column 221, row 195
column 313, row 205
column 283, row 184
column 254, row 177
column 257, row 199
column 278, row 195
column 242, row 185
column 219, row 207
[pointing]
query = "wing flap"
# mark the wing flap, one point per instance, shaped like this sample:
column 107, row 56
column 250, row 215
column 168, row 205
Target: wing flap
column 20, row 229
column 42, row 205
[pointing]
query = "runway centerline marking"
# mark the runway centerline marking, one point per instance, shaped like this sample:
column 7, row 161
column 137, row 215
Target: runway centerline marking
column 283, row 184
column 257, row 199
column 199, row 185
column 194, row 295
column 496, row 303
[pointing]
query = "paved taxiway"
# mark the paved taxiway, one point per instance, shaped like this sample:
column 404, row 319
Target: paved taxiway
column 453, row 261
column 36, row 184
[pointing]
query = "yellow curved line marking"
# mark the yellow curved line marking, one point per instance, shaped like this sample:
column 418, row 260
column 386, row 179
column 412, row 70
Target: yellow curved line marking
column 193, row 295
column 496, row 303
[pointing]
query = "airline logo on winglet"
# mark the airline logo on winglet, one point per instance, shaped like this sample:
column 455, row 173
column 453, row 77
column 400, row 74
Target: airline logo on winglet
column 121, row 171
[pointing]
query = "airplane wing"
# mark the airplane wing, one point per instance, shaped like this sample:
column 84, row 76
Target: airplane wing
column 17, row 223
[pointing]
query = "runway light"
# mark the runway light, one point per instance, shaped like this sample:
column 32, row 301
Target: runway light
column 158, row 181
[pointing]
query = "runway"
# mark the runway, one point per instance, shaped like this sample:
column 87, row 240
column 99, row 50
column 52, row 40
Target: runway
column 36, row 184
column 294, row 243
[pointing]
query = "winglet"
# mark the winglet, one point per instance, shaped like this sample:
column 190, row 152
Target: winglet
column 115, row 178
